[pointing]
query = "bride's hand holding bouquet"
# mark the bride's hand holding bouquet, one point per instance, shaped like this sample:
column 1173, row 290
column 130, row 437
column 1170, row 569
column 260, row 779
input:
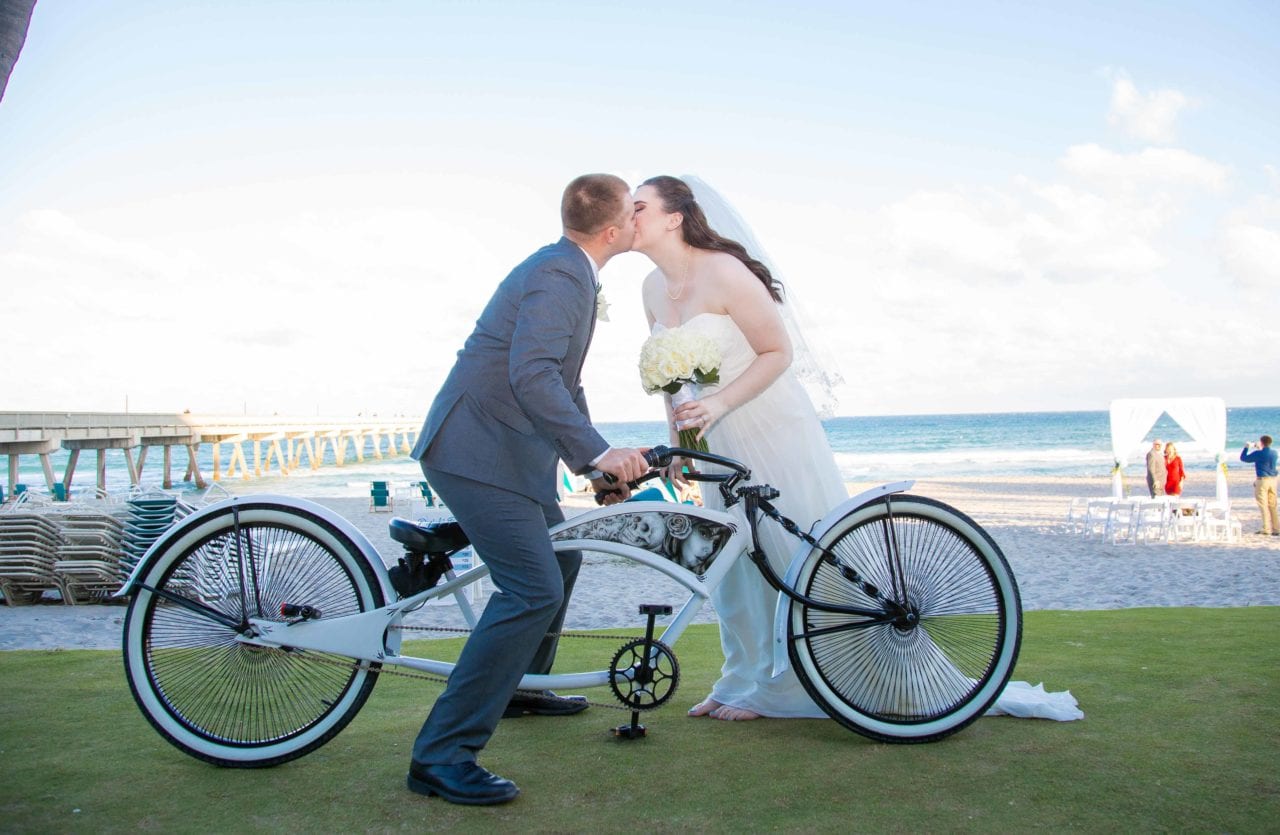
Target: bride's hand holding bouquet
column 676, row 361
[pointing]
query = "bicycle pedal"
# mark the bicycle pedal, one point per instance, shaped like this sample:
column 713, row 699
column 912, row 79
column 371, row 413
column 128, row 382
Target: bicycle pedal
column 631, row 730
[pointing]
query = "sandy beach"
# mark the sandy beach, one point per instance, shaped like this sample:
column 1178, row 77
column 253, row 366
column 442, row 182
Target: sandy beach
column 1055, row 568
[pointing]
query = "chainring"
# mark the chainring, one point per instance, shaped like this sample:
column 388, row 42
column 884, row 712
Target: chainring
column 640, row 685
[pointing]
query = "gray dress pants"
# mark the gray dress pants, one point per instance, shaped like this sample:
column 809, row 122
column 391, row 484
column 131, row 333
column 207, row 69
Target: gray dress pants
column 532, row 589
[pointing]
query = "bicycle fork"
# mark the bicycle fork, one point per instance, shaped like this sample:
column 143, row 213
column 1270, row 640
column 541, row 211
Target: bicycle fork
column 893, row 608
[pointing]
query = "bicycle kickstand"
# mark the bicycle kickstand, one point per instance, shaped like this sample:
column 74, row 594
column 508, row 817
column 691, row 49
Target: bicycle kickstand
column 635, row 730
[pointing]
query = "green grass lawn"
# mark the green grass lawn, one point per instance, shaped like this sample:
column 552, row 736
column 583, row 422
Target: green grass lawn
column 1181, row 732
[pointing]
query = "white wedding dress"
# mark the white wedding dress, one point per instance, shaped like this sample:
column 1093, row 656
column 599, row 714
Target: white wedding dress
column 778, row 435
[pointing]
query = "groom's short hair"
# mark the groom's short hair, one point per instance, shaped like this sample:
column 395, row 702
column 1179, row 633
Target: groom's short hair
column 592, row 202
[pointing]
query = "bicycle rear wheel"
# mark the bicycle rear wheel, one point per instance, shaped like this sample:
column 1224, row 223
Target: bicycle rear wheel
column 224, row 701
column 944, row 659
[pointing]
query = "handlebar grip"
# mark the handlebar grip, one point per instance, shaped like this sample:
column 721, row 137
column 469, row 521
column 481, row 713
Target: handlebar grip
column 659, row 456
column 601, row 494
column 634, row 485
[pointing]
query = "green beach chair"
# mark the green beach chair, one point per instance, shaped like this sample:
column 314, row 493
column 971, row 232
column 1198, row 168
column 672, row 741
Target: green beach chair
column 379, row 497
column 424, row 489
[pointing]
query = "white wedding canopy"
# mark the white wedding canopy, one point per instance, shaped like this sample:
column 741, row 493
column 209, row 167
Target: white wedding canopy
column 1203, row 418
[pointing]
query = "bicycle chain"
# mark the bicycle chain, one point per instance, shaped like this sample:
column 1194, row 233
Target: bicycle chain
column 533, row 695
column 464, row 631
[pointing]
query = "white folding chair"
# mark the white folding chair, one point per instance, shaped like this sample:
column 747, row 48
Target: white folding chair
column 1149, row 521
column 1219, row 523
column 1186, row 520
column 1097, row 517
column 1078, row 515
column 1120, row 520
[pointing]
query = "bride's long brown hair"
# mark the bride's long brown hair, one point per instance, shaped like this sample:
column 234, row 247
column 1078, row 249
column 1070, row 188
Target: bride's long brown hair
column 678, row 197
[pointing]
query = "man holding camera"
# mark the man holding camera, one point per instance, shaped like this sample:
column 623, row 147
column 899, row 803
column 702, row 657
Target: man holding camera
column 1263, row 458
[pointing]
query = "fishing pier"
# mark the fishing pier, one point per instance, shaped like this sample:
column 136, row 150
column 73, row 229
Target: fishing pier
column 276, row 443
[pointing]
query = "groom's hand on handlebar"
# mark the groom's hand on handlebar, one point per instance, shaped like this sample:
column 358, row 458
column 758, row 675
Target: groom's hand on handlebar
column 624, row 464
column 609, row 490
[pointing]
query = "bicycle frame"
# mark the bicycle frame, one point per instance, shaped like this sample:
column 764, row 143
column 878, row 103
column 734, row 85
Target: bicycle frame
column 373, row 636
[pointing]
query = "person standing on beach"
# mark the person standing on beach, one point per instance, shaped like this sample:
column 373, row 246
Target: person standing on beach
column 509, row 410
column 1156, row 472
column 1263, row 458
column 1175, row 473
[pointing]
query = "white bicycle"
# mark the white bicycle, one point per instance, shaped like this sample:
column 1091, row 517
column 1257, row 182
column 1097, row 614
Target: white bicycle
column 257, row 627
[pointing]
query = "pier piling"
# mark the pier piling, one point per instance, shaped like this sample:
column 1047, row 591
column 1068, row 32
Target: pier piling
column 45, row 433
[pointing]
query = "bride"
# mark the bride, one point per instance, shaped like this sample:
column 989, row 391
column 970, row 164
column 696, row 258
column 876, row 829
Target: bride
column 758, row 413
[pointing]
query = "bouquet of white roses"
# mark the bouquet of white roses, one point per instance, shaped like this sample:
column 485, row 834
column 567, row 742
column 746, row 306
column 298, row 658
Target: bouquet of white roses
column 674, row 359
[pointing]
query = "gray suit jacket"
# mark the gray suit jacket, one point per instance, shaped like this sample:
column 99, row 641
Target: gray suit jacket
column 513, row 404
column 1156, row 467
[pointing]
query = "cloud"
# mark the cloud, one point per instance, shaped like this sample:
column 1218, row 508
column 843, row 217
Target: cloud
column 296, row 313
column 1029, row 230
column 53, row 240
column 1036, row 291
column 1149, row 117
column 1110, row 216
column 1107, row 170
column 1249, row 244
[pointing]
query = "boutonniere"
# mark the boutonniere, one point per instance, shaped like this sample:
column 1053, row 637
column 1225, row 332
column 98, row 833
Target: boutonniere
column 602, row 305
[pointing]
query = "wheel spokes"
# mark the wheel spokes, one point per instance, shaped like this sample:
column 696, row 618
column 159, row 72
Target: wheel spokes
column 892, row 668
column 227, row 690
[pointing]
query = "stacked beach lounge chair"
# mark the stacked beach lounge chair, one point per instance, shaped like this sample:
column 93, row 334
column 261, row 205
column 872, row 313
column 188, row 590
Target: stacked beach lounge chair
column 29, row 545
column 88, row 567
column 146, row 517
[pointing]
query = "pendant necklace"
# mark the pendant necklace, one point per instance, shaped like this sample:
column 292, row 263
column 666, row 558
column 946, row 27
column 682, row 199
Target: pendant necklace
column 684, row 278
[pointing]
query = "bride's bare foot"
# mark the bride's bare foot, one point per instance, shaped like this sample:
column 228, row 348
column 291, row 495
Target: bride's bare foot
column 705, row 707
column 734, row 714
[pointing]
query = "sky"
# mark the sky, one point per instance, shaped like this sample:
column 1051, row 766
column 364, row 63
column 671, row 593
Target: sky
column 301, row 207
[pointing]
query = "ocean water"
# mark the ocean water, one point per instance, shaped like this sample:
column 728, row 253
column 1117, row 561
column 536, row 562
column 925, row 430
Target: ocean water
column 1002, row 444
column 867, row 449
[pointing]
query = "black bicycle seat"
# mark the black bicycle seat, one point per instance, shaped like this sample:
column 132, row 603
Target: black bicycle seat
column 435, row 538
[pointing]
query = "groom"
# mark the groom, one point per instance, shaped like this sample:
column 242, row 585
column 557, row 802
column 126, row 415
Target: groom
column 511, row 407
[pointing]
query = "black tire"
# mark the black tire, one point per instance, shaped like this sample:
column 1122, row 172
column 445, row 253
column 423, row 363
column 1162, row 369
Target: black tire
column 915, row 680
column 223, row 701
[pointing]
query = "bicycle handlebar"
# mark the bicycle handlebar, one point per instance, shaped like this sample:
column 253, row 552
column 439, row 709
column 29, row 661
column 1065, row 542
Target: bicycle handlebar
column 661, row 456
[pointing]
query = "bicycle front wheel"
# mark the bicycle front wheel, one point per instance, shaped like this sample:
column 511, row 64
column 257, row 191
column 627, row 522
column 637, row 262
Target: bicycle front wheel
column 942, row 651
column 224, row 701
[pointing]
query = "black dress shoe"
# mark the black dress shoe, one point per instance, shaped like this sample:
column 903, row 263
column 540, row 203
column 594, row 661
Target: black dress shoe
column 544, row 703
column 465, row 783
